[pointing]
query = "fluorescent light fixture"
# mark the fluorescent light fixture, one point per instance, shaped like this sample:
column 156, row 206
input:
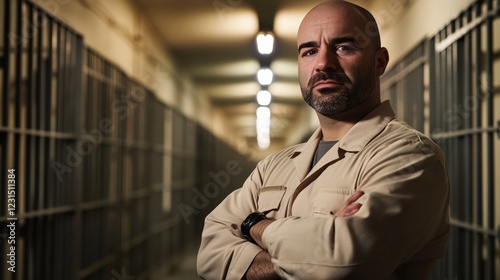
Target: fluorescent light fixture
column 265, row 43
column 263, row 113
column 263, row 140
column 263, row 127
column 265, row 76
column 263, row 97
column 262, row 124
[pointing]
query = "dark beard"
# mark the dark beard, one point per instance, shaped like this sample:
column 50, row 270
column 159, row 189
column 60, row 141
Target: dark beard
column 332, row 102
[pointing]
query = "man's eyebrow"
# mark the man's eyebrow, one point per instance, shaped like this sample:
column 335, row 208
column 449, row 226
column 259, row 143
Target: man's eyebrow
column 334, row 41
column 309, row 44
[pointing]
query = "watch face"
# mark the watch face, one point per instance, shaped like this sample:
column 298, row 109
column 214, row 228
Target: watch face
column 249, row 222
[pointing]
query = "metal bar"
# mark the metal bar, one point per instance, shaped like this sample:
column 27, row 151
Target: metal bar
column 478, row 166
column 490, row 180
column 31, row 121
column 474, row 228
column 431, row 55
column 466, row 132
column 39, row 133
column 440, row 106
column 78, row 183
column 50, row 191
column 40, row 111
column 63, row 72
column 18, row 67
column 60, row 79
column 420, row 101
column 467, row 66
column 30, row 86
column 60, row 110
column 74, row 266
column 452, row 150
column 437, row 94
column 457, row 97
column 6, row 65
column 439, row 272
column 77, row 83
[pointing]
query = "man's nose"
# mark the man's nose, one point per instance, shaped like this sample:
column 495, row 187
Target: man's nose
column 326, row 60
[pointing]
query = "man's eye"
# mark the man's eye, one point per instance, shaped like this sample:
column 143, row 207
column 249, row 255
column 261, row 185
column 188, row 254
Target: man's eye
column 344, row 49
column 308, row 52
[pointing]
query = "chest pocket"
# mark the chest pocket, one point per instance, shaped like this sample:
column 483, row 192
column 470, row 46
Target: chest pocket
column 329, row 200
column 270, row 198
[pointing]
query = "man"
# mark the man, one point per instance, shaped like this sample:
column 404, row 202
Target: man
column 365, row 198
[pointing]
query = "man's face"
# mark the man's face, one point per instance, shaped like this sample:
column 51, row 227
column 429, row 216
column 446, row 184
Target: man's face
column 336, row 61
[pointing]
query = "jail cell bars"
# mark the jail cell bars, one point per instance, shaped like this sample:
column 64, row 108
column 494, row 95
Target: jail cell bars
column 446, row 87
column 405, row 87
column 109, row 181
column 465, row 125
column 41, row 74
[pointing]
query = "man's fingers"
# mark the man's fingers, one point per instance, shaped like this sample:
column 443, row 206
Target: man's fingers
column 355, row 197
column 352, row 208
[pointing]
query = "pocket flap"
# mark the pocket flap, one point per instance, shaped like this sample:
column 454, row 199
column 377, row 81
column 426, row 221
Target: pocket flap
column 270, row 198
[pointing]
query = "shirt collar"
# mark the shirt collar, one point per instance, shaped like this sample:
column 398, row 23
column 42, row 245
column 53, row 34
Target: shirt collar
column 360, row 134
column 367, row 128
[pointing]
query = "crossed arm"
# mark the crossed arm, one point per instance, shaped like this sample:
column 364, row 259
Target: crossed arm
column 262, row 267
column 404, row 212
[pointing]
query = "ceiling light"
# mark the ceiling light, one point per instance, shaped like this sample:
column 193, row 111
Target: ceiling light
column 263, row 97
column 263, row 113
column 265, row 43
column 263, row 127
column 265, row 76
column 263, row 140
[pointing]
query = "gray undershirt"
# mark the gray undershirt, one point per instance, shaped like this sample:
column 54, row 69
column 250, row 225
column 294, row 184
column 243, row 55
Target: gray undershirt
column 322, row 149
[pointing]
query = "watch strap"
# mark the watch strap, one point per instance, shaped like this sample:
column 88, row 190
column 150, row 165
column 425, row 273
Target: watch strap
column 249, row 222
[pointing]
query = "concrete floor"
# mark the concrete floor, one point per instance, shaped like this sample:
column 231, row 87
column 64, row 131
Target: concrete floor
column 187, row 269
column 183, row 267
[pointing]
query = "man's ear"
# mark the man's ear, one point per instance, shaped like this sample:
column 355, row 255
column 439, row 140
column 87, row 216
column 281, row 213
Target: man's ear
column 381, row 61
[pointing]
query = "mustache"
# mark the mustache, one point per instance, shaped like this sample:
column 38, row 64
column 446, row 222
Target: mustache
column 323, row 76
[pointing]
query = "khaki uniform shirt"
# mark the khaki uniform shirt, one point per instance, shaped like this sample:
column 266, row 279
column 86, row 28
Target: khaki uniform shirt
column 399, row 232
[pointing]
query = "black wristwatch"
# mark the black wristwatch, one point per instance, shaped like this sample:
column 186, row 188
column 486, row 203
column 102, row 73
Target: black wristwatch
column 249, row 222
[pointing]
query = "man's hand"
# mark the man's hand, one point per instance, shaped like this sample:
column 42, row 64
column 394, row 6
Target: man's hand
column 350, row 207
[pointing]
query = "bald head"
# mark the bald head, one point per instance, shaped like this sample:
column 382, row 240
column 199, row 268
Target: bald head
column 362, row 21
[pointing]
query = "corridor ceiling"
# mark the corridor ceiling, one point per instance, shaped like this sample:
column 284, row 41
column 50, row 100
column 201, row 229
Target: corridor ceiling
column 214, row 42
